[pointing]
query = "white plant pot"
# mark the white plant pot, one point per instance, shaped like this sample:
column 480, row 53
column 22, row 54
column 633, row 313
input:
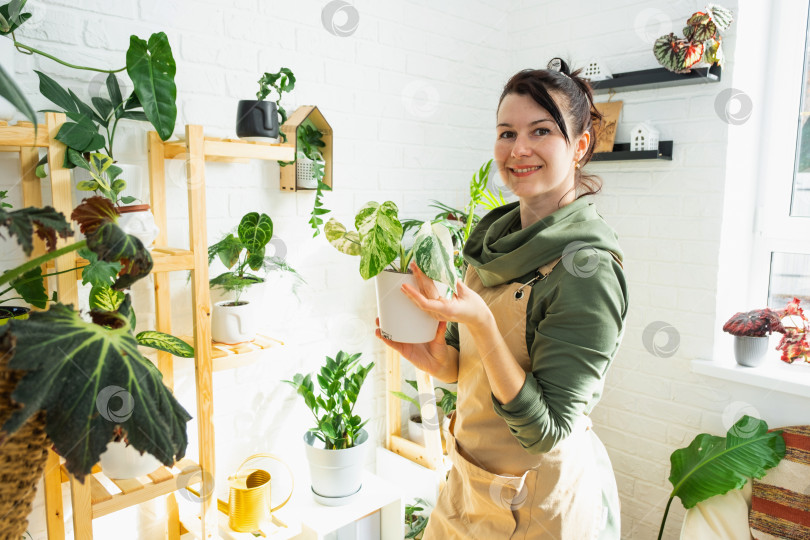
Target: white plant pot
column 139, row 222
column 304, row 177
column 750, row 351
column 400, row 319
column 121, row 461
column 233, row 324
column 335, row 475
column 416, row 432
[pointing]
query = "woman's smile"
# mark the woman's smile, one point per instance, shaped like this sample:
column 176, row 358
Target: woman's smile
column 521, row 172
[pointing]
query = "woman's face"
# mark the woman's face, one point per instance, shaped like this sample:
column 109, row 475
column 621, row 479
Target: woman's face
column 532, row 155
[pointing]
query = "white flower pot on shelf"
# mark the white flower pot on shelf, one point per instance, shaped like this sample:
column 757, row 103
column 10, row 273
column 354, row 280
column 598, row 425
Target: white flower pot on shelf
column 336, row 475
column 400, row 319
column 750, row 351
column 416, row 431
column 121, row 461
column 233, row 322
column 139, row 221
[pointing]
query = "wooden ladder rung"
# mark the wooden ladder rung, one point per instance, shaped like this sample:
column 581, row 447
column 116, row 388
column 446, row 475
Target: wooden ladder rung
column 127, row 485
column 160, row 475
column 98, row 492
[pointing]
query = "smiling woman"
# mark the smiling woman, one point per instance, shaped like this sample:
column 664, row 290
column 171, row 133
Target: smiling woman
column 531, row 367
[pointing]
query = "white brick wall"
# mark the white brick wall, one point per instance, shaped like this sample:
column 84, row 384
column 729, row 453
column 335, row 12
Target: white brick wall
column 411, row 98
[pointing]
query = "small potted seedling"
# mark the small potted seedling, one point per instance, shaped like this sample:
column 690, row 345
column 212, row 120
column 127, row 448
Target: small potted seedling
column 751, row 331
column 336, row 446
column 259, row 119
column 416, row 428
column 378, row 241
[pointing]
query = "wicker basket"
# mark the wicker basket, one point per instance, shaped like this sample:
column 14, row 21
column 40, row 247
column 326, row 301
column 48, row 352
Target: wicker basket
column 304, row 176
column 22, row 456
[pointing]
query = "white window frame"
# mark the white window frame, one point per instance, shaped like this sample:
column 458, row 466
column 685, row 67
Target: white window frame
column 775, row 230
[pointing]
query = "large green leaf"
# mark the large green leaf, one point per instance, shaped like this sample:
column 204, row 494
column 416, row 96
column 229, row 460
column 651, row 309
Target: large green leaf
column 152, row 68
column 165, row 342
column 31, row 287
column 46, row 222
column 53, row 91
column 228, row 250
column 82, row 136
column 15, row 96
column 433, row 253
column 89, row 379
column 347, row 242
column 255, row 231
column 380, row 236
column 713, row 465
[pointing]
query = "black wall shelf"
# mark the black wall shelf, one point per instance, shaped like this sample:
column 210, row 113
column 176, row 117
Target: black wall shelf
column 647, row 79
column 622, row 152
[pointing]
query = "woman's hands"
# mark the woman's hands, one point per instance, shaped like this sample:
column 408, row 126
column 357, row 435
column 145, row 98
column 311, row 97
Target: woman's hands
column 466, row 306
column 435, row 357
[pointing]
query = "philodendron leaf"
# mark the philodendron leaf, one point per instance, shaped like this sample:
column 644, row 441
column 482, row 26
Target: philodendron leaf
column 89, row 379
column 151, row 67
column 380, row 236
column 255, row 231
column 347, row 242
column 713, row 465
column 165, row 342
column 433, row 253
column 46, row 222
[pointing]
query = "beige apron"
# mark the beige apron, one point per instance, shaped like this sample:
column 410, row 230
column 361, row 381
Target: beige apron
column 496, row 489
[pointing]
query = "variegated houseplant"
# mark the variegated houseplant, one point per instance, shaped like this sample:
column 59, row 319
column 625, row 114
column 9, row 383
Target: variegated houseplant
column 378, row 241
column 702, row 41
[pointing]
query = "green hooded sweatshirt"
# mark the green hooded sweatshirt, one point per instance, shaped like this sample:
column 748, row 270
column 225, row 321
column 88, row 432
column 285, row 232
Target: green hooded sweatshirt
column 575, row 317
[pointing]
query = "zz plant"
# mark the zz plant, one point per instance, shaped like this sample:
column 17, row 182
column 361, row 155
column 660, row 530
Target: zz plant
column 378, row 241
column 340, row 380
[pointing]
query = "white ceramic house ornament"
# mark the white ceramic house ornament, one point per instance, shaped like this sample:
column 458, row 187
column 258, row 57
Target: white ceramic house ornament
column 595, row 70
column 643, row 137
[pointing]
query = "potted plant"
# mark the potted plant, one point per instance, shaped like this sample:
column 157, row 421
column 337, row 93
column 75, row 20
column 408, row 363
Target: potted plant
column 233, row 319
column 336, row 446
column 446, row 406
column 701, row 42
column 86, row 377
column 751, row 331
column 415, row 520
column 713, row 465
column 310, row 170
column 379, row 243
column 257, row 119
column 794, row 344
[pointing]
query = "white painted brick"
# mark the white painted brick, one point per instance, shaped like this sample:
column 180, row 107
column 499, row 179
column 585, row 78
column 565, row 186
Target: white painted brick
column 181, row 17
column 641, row 383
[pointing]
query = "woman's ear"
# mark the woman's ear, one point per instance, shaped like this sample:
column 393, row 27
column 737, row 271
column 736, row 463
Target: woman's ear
column 583, row 143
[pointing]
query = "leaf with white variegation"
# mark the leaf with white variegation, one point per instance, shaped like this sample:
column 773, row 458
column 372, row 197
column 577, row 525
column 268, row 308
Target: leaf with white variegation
column 433, row 253
column 380, row 237
column 347, row 242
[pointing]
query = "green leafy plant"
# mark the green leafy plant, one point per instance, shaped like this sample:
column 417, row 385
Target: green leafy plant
column 702, row 40
column 415, row 522
column 244, row 252
column 73, row 367
column 310, row 142
column 378, row 242
column 447, row 403
column 104, row 177
column 281, row 81
column 713, row 465
column 340, row 380
column 11, row 92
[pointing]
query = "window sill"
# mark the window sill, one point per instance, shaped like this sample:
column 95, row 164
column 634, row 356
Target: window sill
column 773, row 374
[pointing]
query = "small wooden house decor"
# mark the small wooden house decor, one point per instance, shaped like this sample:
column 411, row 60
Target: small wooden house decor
column 290, row 128
column 595, row 70
column 643, row 137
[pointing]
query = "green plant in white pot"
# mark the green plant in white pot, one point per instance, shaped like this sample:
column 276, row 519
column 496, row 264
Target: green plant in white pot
column 378, row 241
column 336, row 445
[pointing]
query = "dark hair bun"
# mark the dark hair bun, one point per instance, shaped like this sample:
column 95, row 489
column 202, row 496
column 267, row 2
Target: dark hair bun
column 558, row 64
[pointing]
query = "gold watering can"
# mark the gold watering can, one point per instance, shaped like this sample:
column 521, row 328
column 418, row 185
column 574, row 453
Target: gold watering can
column 249, row 495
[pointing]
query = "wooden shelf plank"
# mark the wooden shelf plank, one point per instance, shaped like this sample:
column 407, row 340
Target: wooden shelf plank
column 22, row 134
column 233, row 150
column 165, row 259
column 648, row 79
column 229, row 356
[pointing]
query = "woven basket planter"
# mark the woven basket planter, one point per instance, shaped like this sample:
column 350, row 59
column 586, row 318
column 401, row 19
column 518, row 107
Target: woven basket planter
column 22, row 456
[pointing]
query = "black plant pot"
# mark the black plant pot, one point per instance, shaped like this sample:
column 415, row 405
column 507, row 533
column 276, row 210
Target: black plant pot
column 13, row 312
column 256, row 119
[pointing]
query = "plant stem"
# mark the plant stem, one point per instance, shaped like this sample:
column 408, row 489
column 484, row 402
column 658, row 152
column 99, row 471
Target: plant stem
column 39, row 261
column 19, row 46
column 663, row 521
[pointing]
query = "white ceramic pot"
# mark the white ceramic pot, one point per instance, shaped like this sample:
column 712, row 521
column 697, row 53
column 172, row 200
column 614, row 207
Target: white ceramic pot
column 400, row 319
column 121, row 461
column 138, row 221
column 416, row 432
column 303, row 172
column 750, row 351
column 233, row 323
column 336, row 475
